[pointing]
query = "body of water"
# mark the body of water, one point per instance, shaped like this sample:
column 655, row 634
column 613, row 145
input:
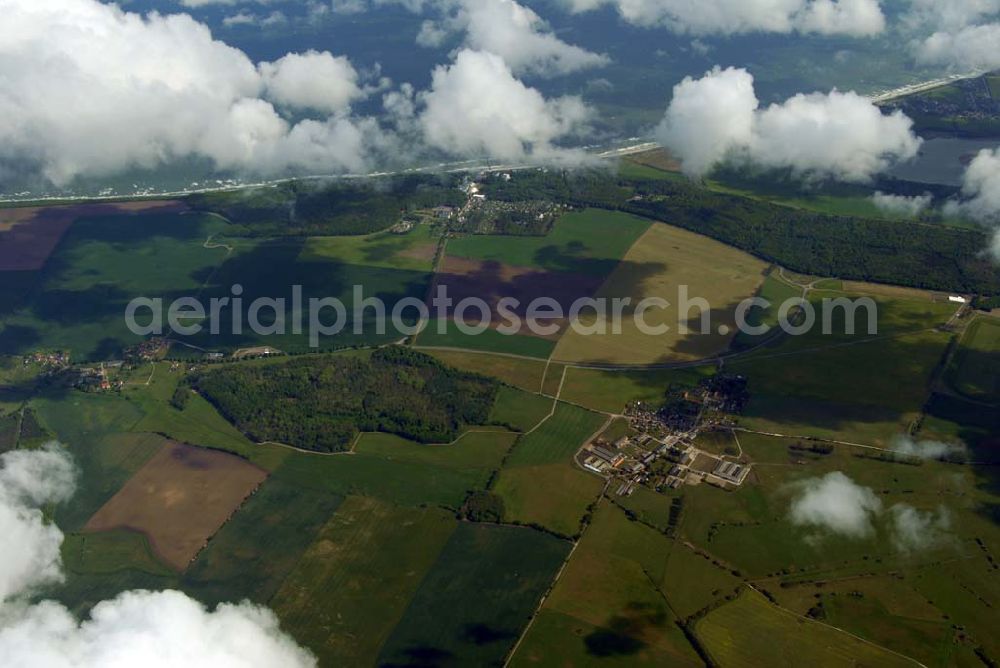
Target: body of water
column 943, row 160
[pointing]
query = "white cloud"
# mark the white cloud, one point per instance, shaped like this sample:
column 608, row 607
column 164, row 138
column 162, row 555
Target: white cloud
column 913, row 530
column 981, row 192
column 154, row 629
column 926, row 449
column 30, row 553
column 949, row 15
column 901, row 204
column 512, row 31
column 837, row 504
column 838, row 135
column 861, row 18
column 476, row 107
column 311, row 80
column 139, row 628
column 972, row 47
column 708, row 118
column 91, row 89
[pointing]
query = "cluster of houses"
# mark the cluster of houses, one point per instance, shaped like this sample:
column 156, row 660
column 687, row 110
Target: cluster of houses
column 663, row 452
column 661, row 462
column 56, row 360
column 99, row 378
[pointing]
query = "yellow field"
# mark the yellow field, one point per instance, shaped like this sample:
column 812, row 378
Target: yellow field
column 523, row 373
column 889, row 291
column 607, row 608
column 663, row 259
column 751, row 632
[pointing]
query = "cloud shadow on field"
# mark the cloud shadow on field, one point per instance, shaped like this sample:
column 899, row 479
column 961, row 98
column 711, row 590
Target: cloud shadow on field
column 422, row 656
column 484, row 634
column 623, row 634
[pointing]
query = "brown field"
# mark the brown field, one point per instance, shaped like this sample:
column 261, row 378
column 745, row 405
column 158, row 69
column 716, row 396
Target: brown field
column 662, row 260
column 492, row 281
column 891, row 291
column 657, row 159
column 420, row 252
column 28, row 235
column 179, row 499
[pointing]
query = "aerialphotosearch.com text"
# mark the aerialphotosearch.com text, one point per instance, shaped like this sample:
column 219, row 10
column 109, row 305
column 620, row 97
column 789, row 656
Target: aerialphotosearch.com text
column 323, row 317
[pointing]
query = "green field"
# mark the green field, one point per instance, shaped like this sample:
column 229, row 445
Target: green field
column 861, row 387
column 352, row 585
column 488, row 341
column 254, row 552
column 477, row 451
column 407, row 474
column 79, row 300
column 557, row 439
column 975, row 368
column 520, row 410
column 109, row 552
column 608, row 608
column 611, row 391
column 413, row 251
column 10, row 427
column 751, row 631
column 540, row 484
column 80, row 296
column 471, row 607
column 587, row 242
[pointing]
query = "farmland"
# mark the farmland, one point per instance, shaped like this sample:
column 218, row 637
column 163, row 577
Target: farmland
column 662, row 261
column 179, row 499
column 752, row 632
column 608, row 606
column 590, row 242
column 481, row 591
column 975, row 367
column 430, row 531
column 352, row 585
column 522, row 373
column 540, row 484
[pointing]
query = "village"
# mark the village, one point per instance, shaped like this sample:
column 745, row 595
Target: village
column 661, row 452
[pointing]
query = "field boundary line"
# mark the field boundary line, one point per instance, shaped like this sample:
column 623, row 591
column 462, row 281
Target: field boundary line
column 552, row 585
column 837, row 628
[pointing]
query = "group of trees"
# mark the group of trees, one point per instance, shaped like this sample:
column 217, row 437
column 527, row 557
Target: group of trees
column 322, row 403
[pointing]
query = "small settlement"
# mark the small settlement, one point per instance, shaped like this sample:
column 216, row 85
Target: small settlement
column 661, row 452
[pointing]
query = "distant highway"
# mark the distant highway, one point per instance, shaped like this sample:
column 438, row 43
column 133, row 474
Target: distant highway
column 923, row 87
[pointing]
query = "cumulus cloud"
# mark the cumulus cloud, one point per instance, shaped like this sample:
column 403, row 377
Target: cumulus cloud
column 709, row 118
column 859, row 18
column 927, row 449
column 512, row 31
column 914, row 530
column 972, row 47
column 311, row 80
column 92, row 89
column 837, row 504
column 901, row 204
column 138, row 628
column 156, row 629
column 981, row 194
column 476, row 106
column 950, row 15
column 838, row 135
column 30, row 555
